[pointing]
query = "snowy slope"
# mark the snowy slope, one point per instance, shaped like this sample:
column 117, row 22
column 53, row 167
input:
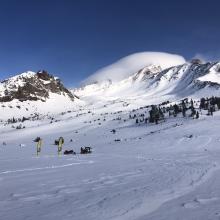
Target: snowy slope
column 14, row 82
column 55, row 104
column 153, row 169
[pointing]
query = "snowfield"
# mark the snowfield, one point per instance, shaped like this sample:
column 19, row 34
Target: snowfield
column 165, row 171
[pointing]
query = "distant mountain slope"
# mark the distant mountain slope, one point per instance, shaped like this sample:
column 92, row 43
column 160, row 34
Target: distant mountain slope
column 153, row 84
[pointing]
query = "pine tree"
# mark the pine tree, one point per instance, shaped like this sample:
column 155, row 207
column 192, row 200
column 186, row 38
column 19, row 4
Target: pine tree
column 191, row 103
column 211, row 110
column 183, row 108
column 151, row 113
column 13, row 120
column 175, row 110
column 193, row 111
column 202, row 103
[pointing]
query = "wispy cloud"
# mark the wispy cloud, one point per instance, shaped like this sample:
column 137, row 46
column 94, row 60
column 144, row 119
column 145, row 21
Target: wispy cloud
column 127, row 66
column 208, row 56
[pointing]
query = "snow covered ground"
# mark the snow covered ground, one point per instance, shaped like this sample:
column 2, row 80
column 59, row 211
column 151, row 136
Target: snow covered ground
column 165, row 171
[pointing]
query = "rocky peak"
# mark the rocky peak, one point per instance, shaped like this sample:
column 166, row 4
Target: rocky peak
column 32, row 86
column 147, row 72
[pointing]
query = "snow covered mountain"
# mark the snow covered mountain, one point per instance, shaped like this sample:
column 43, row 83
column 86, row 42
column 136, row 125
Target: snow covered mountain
column 32, row 86
column 153, row 84
column 30, row 92
column 128, row 65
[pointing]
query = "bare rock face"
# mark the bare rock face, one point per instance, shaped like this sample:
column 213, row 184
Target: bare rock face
column 32, row 86
column 196, row 61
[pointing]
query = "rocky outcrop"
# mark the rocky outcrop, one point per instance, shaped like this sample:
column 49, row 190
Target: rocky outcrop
column 32, row 87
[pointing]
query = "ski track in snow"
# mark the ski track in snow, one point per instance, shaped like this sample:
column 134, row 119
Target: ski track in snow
column 45, row 168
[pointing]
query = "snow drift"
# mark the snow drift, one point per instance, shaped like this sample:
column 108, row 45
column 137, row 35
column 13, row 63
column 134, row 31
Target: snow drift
column 127, row 66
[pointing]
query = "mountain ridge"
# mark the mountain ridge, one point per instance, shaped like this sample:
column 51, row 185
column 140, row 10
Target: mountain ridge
column 31, row 86
column 188, row 79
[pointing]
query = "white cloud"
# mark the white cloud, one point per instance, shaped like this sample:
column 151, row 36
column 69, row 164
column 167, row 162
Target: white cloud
column 127, row 66
column 201, row 57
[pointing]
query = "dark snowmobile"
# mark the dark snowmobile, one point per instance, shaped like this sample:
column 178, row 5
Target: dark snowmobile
column 86, row 150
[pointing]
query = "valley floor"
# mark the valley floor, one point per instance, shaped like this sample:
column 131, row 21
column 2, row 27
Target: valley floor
column 166, row 171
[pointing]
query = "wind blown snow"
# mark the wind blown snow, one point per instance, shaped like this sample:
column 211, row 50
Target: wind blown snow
column 127, row 66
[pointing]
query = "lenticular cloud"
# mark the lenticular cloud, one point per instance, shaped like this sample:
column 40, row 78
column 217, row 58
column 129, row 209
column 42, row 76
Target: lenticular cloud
column 127, row 66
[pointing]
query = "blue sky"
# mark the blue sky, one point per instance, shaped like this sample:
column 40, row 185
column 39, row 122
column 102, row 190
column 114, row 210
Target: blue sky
column 74, row 38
